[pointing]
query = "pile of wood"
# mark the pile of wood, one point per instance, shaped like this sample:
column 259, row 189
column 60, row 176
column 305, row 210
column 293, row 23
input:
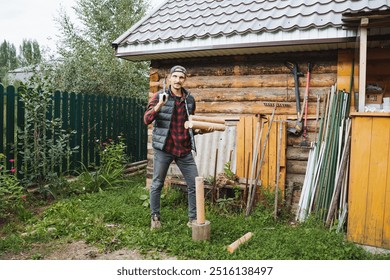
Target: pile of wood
column 205, row 124
column 135, row 168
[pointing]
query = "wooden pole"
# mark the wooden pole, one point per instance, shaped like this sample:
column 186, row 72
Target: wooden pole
column 207, row 119
column 232, row 247
column 255, row 155
column 200, row 215
column 279, row 145
column 362, row 63
column 202, row 228
column 204, row 125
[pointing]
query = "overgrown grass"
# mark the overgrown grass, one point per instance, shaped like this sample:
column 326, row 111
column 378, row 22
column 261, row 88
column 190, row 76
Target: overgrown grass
column 115, row 219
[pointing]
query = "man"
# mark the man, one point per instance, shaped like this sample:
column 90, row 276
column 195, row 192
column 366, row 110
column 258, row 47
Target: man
column 171, row 141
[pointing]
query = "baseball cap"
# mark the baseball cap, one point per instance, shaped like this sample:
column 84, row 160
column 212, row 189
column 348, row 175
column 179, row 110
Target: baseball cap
column 179, row 68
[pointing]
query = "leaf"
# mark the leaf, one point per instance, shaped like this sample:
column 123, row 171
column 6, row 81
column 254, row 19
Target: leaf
column 146, row 203
column 143, row 197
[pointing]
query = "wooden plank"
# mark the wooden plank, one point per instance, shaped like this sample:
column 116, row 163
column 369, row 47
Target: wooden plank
column 359, row 170
column 282, row 181
column 283, row 161
column 240, row 150
column 264, row 170
column 376, row 183
column 284, row 141
column 272, row 153
column 248, row 144
column 386, row 217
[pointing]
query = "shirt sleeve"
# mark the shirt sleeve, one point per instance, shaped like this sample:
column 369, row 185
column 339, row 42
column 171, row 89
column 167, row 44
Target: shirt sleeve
column 150, row 114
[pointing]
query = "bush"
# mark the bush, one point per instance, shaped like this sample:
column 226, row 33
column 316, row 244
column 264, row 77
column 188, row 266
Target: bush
column 11, row 192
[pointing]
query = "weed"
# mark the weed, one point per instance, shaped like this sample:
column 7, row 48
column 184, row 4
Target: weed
column 11, row 192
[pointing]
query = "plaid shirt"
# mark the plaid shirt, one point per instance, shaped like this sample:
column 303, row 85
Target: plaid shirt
column 178, row 141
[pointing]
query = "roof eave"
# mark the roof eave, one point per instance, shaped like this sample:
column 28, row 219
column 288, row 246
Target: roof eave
column 241, row 48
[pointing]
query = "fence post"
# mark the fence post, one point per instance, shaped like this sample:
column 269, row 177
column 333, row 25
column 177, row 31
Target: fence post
column 84, row 146
column 92, row 130
column 98, row 127
column 65, row 125
column 10, row 126
column 20, row 124
column 2, row 111
column 57, row 115
column 104, row 118
column 79, row 128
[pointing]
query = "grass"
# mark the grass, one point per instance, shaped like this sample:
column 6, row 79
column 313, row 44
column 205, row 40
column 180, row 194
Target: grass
column 115, row 219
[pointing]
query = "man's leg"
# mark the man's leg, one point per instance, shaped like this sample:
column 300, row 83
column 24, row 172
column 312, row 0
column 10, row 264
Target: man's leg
column 161, row 164
column 189, row 170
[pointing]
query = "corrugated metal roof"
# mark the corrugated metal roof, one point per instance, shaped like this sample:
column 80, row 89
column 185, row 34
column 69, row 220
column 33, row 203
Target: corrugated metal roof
column 199, row 24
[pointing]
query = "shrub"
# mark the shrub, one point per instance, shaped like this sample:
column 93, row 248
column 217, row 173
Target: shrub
column 42, row 154
column 11, row 192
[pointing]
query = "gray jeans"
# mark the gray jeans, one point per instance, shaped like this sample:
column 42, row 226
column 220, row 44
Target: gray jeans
column 188, row 168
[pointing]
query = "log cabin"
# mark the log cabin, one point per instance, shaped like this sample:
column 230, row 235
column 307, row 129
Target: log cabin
column 239, row 56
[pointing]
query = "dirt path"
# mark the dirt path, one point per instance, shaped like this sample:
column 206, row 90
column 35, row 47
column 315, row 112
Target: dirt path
column 79, row 250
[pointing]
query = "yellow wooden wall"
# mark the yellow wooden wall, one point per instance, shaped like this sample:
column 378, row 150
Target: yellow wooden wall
column 246, row 137
column 369, row 187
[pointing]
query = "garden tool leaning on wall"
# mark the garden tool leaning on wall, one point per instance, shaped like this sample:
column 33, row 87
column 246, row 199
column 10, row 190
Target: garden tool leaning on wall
column 297, row 129
column 305, row 106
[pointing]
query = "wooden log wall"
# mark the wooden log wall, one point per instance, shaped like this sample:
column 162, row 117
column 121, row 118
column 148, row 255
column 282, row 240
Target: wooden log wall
column 239, row 85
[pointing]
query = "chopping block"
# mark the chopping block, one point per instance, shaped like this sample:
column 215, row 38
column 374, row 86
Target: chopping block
column 202, row 228
column 201, row 231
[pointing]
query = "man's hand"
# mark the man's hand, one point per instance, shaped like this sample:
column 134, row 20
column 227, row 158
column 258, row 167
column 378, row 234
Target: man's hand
column 203, row 131
column 162, row 99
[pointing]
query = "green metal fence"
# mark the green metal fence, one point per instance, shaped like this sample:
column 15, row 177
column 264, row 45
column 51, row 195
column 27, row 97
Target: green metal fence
column 94, row 118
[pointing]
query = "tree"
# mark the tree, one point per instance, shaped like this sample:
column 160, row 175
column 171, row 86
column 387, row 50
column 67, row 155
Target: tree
column 8, row 59
column 88, row 63
column 29, row 53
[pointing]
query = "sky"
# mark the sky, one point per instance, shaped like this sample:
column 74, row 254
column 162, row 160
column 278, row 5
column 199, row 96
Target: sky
column 34, row 19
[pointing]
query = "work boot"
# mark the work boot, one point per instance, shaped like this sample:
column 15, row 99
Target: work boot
column 155, row 223
column 191, row 222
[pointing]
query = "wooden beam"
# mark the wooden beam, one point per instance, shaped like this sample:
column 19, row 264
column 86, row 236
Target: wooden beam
column 362, row 63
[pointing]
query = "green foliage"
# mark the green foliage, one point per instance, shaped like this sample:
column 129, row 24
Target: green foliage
column 88, row 62
column 11, row 192
column 110, row 172
column 41, row 154
column 30, row 53
column 116, row 219
column 105, row 177
column 112, row 154
column 230, row 203
column 8, row 59
column 229, row 173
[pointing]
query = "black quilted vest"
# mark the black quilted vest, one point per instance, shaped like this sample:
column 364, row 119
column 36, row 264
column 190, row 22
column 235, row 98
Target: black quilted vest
column 163, row 120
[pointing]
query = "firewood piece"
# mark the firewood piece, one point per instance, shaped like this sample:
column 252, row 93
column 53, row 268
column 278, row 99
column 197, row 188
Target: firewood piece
column 207, row 119
column 204, row 125
column 200, row 212
column 232, row 247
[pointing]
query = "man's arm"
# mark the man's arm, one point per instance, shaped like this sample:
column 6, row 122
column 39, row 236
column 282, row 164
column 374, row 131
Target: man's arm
column 154, row 106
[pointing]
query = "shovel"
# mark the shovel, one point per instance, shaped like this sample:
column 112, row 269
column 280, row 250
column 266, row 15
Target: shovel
column 297, row 129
